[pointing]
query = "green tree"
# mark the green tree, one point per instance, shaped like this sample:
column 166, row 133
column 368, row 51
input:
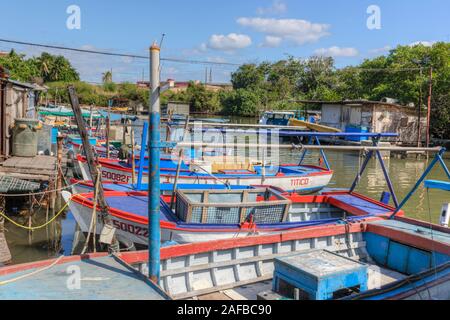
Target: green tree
column 55, row 68
column 107, row 77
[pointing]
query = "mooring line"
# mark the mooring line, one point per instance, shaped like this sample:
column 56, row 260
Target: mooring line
column 2, row 283
column 38, row 227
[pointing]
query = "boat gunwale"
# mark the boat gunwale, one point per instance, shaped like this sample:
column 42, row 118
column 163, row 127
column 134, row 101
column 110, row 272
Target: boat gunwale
column 322, row 171
column 83, row 200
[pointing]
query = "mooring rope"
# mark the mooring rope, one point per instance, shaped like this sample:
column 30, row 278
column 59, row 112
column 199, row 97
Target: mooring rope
column 42, row 192
column 38, row 227
column 2, row 283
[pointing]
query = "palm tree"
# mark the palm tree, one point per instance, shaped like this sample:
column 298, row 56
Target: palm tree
column 107, row 77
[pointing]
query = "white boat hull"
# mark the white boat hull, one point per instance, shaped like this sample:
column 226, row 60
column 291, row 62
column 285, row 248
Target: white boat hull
column 299, row 184
column 128, row 231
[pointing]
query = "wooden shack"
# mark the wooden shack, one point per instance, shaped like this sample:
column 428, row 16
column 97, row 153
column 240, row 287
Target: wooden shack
column 376, row 116
column 17, row 100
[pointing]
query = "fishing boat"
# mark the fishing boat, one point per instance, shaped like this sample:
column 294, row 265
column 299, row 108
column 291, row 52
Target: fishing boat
column 290, row 177
column 204, row 215
column 103, row 278
column 394, row 259
column 80, row 186
column 279, row 118
column 377, row 259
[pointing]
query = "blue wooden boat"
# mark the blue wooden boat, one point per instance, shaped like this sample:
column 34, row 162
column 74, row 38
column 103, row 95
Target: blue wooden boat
column 208, row 214
column 79, row 186
column 395, row 259
column 377, row 259
column 290, row 177
column 89, row 277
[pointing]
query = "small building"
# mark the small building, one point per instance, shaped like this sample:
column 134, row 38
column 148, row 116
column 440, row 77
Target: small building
column 17, row 100
column 375, row 116
column 179, row 108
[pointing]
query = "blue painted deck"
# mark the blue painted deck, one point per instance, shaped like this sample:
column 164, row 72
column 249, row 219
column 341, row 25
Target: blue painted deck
column 102, row 278
column 138, row 205
column 369, row 207
column 415, row 230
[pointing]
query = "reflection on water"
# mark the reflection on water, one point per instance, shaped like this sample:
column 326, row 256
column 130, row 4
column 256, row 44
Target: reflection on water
column 404, row 174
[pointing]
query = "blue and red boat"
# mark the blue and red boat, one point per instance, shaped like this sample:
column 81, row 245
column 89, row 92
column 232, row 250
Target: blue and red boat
column 204, row 215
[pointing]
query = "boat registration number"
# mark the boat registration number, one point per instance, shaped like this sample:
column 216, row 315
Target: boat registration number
column 139, row 231
column 115, row 177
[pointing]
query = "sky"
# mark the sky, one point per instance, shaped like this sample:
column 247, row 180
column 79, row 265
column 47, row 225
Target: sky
column 234, row 31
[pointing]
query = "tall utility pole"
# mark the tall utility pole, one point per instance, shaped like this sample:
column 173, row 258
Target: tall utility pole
column 154, row 241
column 429, row 106
column 210, row 75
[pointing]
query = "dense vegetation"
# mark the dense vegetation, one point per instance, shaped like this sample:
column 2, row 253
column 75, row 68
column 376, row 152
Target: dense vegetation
column 42, row 69
column 277, row 85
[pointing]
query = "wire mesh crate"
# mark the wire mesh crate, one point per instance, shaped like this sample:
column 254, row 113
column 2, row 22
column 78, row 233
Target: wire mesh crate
column 261, row 206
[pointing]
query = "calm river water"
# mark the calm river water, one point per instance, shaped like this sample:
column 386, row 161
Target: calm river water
column 404, row 173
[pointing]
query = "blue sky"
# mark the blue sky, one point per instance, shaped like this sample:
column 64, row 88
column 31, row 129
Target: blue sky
column 224, row 31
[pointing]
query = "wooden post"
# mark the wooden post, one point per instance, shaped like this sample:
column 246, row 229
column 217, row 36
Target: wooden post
column 108, row 127
column 5, row 254
column 429, row 107
column 133, row 162
column 180, row 160
column 90, row 119
column 60, row 141
column 107, row 220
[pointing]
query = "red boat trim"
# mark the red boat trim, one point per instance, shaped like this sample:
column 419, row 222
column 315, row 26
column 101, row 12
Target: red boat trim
column 83, row 200
column 45, row 263
column 110, row 164
column 196, row 248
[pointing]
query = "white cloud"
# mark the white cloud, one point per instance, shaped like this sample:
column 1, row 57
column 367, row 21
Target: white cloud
column 272, row 41
column 382, row 50
column 424, row 43
column 292, row 30
column 336, row 52
column 229, row 42
column 277, row 7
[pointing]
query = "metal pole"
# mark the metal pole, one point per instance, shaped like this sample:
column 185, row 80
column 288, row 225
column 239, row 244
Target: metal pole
column 108, row 128
column 429, row 106
column 154, row 170
column 418, row 183
column 142, row 155
column 133, row 160
column 324, row 156
column 301, row 147
column 388, row 179
column 180, row 161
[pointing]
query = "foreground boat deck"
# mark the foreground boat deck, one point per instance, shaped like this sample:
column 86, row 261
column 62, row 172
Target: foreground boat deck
column 416, row 230
column 103, row 278
column 377, row 276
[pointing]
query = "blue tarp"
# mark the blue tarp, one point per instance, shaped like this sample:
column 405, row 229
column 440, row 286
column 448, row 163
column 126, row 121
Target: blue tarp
column 116, row 116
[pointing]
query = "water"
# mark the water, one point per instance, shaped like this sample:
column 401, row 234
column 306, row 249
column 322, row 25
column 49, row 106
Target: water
column 424, row 205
